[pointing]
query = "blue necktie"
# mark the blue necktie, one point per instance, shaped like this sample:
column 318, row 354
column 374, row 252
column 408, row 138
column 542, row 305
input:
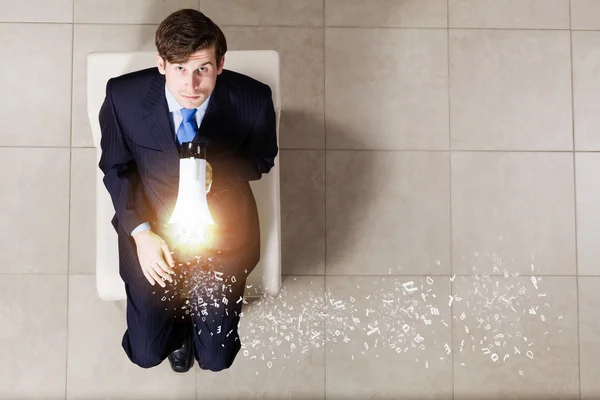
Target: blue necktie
column 188, row 127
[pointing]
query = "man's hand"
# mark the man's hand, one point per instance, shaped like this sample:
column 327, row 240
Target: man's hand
column 154, row 257
column 209, row 176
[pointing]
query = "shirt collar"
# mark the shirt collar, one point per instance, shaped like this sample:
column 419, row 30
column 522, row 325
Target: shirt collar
column 175, row 106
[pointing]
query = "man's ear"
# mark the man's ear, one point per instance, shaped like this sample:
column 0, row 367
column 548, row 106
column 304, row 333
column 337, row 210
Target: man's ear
column 221, row 64
column 160, row 63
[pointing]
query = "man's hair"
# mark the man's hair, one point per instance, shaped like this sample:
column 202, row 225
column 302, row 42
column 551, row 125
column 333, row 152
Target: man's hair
column 186, row 31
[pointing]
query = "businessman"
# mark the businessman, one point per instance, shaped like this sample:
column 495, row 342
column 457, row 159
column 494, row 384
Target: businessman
column 145, row 118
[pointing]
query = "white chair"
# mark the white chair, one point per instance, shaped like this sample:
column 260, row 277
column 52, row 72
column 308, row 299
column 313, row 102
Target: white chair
column 262, row 65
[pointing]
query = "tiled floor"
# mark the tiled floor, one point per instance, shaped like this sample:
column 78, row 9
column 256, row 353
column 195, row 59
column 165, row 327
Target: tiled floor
column 452, row 143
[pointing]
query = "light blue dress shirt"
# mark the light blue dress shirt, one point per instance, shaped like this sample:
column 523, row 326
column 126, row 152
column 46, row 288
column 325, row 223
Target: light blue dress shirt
column 175, row 112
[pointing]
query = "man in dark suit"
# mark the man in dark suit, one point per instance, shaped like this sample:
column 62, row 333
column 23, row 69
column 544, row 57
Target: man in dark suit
column 144, row 120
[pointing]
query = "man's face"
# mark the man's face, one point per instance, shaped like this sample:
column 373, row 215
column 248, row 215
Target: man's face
column 191, row 83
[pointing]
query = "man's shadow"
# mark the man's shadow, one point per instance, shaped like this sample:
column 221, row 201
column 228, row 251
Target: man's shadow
column 304, row 237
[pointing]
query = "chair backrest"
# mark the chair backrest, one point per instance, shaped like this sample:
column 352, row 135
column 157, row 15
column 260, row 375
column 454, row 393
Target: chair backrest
column 262, row 65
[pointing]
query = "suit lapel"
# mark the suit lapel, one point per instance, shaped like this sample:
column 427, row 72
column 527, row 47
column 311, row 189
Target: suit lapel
column 215, row 119
column 157, row 117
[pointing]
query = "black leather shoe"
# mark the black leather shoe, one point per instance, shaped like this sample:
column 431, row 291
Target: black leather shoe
column 182, row 359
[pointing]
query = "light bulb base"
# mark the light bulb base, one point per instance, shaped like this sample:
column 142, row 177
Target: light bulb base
column 193, row 150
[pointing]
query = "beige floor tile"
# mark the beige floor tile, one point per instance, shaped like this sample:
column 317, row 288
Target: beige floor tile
column 37, row 11
column 387, row 13
column 513, row 205
column 264, row 12
column 392, row 96
column 82, row 246
column 530, row 340
column 39, row 108
column 128, row 11
column 303, row 212
column 589, row 331
column 511, row 14
column 301, row 52
column 387, row 212
column 35, row 200
column 33, row 331
column 588, row 213
column 97, row 364
column 94, row 38
column 584, row 14
column 279, row 357
column 397, row 349
column 510, row 90
column 586, row 84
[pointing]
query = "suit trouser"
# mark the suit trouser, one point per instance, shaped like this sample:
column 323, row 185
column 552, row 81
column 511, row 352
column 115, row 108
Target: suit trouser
column 199, row 300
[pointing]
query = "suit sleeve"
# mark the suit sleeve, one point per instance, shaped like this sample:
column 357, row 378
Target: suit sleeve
column 121, row 177
column 258, row 153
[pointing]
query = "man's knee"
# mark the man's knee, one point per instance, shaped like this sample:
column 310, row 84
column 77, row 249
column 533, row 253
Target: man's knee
column 147, row 360
column 143, row 356
column 217, row 364
column 219, row 360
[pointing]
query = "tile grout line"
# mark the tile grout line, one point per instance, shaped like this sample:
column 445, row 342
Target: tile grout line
column 450, row 189
column 324, row 200
column 354, row 275
column 70, row 190
column 361, row 150
column 310, row 26
column 575, row 199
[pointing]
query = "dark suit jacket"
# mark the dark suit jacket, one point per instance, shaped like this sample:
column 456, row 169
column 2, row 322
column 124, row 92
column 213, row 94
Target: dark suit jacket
column 140, row 161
